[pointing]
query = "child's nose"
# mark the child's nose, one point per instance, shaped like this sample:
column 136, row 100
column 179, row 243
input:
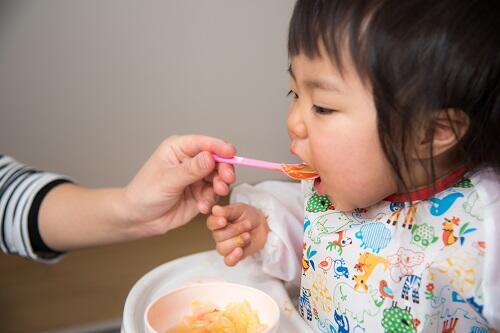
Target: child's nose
column 296, row 126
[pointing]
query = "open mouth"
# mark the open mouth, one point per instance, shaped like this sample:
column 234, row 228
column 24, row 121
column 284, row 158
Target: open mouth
column 318, row 186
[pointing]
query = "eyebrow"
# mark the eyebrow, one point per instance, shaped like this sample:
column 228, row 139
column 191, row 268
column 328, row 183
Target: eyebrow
column 315, row 84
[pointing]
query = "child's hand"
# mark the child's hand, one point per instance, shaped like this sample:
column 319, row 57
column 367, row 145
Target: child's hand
column 239, row 230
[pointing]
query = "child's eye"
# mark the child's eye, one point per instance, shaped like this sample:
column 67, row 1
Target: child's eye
column 320, row 110
column 293, row 93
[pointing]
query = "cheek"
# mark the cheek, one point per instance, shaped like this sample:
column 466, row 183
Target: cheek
column 346, row 155
column 353, row 169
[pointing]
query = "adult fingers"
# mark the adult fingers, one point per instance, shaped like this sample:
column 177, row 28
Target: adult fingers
column 220, row 187
column 204, row 195
column 226, row 172
column 191, row 145
column 189, row 171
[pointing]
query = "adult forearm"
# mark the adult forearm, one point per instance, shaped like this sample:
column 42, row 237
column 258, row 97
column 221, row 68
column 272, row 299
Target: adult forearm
column 74, row 217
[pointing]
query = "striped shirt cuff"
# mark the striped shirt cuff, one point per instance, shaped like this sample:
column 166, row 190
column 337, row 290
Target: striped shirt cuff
column 37, row 244
column 22, row 190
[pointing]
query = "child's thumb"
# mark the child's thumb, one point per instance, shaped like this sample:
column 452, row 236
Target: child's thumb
column 191, row 170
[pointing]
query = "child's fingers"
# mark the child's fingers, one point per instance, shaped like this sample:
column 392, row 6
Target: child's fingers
column 218, row 210
column 231, row 230
column 227, row 246
column 237, row 255
column 234, row 257
column 230, row 212
column 216, row 222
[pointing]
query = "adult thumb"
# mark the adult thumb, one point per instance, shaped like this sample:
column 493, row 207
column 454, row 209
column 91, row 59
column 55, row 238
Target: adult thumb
column 191, row 170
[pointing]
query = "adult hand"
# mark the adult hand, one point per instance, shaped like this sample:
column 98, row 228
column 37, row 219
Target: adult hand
column 179, row 180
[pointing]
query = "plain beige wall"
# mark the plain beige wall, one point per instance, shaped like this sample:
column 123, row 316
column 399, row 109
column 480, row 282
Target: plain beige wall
column 89, row 88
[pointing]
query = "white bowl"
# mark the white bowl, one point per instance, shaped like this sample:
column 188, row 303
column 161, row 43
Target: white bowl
column 168, row 310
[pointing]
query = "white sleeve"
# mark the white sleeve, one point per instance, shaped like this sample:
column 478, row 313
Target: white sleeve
column 488, row 187
column 282, row 203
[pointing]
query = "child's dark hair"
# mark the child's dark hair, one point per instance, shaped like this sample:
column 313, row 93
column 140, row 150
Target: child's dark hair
column 419, row 57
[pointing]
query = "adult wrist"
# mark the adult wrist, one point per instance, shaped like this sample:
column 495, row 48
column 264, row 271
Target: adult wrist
column 124, row 218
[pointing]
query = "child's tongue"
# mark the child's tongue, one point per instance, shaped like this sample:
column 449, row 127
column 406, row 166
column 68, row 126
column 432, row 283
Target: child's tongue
column 318, row 187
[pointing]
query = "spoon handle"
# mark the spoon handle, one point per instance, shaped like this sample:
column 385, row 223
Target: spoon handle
column 249, row 162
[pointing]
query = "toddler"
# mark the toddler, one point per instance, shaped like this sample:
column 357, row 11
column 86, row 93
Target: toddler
column 396, row 104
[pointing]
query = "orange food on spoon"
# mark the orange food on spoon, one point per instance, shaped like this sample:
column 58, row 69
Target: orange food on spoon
column 299, row 171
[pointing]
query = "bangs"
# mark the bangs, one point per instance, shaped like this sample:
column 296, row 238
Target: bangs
column 338, row 26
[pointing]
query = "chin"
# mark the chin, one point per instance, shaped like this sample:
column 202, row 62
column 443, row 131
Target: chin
column 340, row 205
column 322, row 189
column 343, row 207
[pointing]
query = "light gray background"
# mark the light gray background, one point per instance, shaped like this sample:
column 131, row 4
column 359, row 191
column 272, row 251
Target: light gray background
column 89, row 88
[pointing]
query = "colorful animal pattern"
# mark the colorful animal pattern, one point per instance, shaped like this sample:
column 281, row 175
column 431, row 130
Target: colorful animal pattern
column 341, row 324
column 398, row 320
column 404, row 262
column 323, row 226
column 423, row 235
column 367, row 263
column 305, row 304
column 318, row 203
column 407, row 267
column 375, row 236
column 397, row 208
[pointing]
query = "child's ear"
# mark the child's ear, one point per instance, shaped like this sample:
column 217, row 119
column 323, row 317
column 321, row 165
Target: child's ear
column 450, row 126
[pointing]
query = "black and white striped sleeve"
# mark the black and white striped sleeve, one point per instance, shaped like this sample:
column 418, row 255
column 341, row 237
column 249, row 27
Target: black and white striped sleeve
column 22, row 190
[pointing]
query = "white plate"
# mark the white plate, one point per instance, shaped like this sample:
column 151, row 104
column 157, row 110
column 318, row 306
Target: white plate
column 206, row 267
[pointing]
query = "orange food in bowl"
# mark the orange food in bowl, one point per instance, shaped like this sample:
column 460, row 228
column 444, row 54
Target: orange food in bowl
column 248, row 309
column 207, row 318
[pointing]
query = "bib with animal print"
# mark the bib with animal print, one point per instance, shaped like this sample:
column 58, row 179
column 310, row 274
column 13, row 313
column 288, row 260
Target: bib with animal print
column 395, row 267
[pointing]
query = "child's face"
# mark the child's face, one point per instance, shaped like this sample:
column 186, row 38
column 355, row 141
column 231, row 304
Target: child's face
column 332, row 123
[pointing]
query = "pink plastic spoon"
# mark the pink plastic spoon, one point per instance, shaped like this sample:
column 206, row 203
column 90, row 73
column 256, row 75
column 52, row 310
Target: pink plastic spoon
column 294, row 171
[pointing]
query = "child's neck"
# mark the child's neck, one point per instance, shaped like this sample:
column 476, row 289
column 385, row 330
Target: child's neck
column 447, row 170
